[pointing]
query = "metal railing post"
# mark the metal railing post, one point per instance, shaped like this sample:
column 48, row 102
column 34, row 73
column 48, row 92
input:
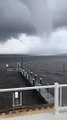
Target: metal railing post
column 13, row 99
column 56, row 100
column 21, row 98
column 60, row 96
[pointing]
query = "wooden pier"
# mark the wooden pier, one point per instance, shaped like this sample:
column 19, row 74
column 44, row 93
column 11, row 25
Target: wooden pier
column 33, row 82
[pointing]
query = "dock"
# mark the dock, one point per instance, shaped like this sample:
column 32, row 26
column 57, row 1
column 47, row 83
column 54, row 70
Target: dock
column 18, row 80
column 38, row 98
column 12, row 78
column 33, row 82
column 24, row 95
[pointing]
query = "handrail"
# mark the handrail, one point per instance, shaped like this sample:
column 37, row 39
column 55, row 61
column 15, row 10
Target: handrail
column 56, row 87
column 26, row 88
column 62, row 85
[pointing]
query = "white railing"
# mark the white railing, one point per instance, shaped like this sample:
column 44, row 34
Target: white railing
column 60, row 107
column 56, row 87
column 58, row 94
column 26, row 88
column 57, row 91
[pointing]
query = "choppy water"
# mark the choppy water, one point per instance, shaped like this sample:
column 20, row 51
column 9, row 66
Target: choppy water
column 51, row 68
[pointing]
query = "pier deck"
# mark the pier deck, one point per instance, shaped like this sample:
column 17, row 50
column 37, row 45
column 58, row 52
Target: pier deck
column 12, row 79
column 43, row 92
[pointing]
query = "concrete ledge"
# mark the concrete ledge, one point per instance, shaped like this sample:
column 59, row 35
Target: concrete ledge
column 16, row 113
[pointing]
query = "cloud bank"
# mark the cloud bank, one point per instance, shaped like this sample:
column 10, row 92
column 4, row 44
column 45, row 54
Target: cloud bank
column 56, row 44
column 14, row 19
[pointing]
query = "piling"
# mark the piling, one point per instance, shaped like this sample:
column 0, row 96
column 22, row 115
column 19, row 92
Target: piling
column 28, row 74
column 31, row 75
column 35, row 76
column 41, row 81
column 39, row 89
column 47, row 88
column 33, row 82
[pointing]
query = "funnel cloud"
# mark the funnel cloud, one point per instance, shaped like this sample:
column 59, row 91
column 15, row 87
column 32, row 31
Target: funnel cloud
column 40, row 13
column 33, row 26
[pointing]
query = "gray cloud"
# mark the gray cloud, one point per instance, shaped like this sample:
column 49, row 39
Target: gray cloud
column 60, row 14
column 48, row 15
column 29, row 16
column 14, row 19
column 41, row 15
column 8, row 32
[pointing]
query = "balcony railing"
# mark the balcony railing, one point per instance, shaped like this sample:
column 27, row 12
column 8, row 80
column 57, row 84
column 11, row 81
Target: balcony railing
column 57, row 94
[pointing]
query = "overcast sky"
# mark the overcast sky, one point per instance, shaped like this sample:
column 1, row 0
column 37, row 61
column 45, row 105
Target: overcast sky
column 36, row 27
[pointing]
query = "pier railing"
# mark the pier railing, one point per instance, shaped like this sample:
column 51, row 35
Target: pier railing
column 56, row 86
column 33, row 81
column 58, row 90
column 57, row 99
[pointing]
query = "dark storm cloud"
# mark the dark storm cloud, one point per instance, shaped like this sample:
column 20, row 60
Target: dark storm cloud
column 24, row 16
column 8, row 32
column 14, row 19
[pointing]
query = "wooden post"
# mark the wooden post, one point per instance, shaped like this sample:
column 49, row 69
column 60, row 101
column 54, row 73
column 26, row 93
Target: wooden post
column 35, row 77
column 33, row 82
column 39, row 89
column 47, row 88
column 31, row 74
column 41, row 81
